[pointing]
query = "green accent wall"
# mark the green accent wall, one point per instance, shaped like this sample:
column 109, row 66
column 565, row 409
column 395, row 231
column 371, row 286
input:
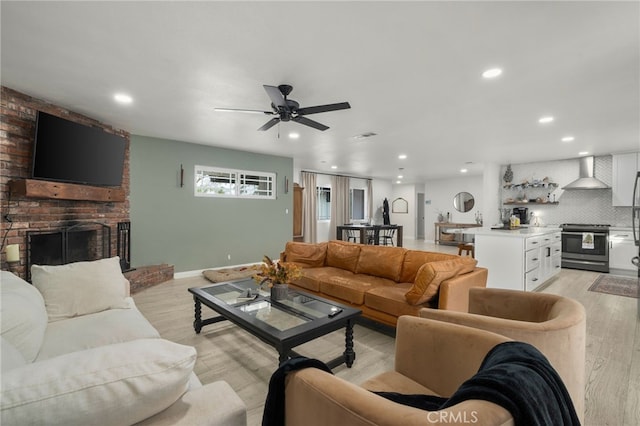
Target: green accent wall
column 171, row 225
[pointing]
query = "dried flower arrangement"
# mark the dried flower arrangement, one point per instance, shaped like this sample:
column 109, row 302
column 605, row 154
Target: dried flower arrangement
column 274, row 272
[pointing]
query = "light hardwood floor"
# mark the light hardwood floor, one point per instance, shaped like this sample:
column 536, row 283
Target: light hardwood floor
column 226, row 352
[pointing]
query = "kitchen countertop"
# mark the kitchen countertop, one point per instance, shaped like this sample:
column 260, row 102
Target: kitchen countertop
column 523, row 232
column 620, row 228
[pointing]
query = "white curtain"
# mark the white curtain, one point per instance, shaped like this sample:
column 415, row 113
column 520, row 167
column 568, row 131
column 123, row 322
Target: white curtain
column 339, row 204
column 309, row 210
column 370, row 201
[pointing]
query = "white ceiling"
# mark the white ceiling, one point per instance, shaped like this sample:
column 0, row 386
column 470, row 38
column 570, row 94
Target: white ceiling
column 410, row 70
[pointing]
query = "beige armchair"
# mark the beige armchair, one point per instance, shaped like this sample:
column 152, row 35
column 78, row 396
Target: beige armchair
column 555, row 325
column 432, row 357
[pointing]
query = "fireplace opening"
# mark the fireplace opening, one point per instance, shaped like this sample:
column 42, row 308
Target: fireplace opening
column 76, row 243
column 46, row 249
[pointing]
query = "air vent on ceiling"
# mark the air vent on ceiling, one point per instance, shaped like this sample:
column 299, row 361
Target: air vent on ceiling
column 365, row 135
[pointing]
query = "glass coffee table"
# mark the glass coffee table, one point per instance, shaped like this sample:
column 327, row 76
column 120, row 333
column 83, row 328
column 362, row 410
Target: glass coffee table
column 283, row 324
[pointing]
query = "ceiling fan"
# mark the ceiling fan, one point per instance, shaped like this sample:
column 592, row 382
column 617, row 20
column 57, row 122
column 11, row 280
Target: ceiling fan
column 284, row 109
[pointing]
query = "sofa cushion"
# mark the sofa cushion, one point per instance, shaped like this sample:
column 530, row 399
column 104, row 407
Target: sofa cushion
column 10, row 357
column 81, row 288
column 312, row 277
column 392, row 381
column 381, row 261
column 214, row 403
column 306, row 255
column 414, row 259
column 351, row 287
column 391, row 300
column 23, row 317
column 99, row 329
column 343, row 255
column 430, row 275
column 110, row 385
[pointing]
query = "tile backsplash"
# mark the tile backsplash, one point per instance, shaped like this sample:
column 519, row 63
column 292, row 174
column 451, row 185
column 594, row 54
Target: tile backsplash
column 574, row 206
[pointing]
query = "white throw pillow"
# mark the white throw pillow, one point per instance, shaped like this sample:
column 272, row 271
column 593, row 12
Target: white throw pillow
column 81, row 288
column 23, row 317
column 117, row 384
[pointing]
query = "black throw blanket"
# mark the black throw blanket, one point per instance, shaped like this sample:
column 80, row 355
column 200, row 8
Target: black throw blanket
column 274, row 405
column 514, row 375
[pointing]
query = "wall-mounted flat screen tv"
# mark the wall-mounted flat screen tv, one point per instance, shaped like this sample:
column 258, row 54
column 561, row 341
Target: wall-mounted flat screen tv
column 65, row 151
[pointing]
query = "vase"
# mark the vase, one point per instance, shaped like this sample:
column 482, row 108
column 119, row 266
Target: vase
column 279, row 291
column 508, row 174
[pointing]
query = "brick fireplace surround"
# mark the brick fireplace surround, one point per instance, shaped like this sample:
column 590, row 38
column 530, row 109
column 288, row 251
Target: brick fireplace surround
column 17, row 130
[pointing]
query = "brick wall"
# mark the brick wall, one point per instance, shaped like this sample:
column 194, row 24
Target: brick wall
column 17, row 130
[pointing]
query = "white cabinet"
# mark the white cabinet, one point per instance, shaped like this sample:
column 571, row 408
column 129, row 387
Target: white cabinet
column 621, row 250
column 625, row 167
column 516, row 261
column 548, row 250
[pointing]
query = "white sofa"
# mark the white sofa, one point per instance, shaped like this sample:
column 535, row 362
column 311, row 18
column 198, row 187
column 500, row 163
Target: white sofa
column 75, row 353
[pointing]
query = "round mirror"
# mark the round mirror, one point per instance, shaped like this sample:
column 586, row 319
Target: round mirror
column 463, row 202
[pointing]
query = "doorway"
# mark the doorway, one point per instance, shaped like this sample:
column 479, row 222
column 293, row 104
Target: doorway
column 420, row 217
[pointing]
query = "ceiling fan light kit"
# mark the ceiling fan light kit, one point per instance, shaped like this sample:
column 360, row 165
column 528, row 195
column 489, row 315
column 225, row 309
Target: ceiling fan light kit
column 284, row 109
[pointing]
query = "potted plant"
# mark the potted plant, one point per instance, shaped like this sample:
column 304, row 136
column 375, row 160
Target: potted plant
column 277, row 275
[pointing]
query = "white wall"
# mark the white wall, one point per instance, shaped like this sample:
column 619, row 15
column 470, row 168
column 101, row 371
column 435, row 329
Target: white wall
column 381, row 189
column 440, row 193
column 407, row 220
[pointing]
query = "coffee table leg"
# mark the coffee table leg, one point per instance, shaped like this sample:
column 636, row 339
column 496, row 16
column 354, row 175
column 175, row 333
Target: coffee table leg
column 283, row 356
column 197, row 322
column 349, row 353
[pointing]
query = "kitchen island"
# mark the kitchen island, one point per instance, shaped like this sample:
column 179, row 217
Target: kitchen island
column 518, row 259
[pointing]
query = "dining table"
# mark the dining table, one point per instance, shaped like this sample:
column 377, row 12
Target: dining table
column 363, row 232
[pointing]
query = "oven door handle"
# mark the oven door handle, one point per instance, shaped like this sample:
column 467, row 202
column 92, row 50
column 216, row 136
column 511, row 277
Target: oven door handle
column 595, row 234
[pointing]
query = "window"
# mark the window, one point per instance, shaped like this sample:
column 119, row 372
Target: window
column 323, row 202
column 218, row 182
column 356, row 204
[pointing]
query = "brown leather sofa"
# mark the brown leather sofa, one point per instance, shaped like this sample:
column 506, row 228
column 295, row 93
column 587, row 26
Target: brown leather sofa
column 385, row 282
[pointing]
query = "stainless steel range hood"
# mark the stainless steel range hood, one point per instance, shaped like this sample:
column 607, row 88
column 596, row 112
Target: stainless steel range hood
column 586, row 179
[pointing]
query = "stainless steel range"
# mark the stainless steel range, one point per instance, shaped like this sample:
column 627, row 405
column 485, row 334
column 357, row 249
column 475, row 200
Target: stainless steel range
column 585, row 247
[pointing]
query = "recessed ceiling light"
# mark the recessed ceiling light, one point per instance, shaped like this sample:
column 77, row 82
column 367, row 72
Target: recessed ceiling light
column 568, row 139
column 294, row 135
column 122, row 98
column 545, row 120
column 334, row 167
column 583, row 153
column 398, row 181
column 463, row 170
column 400, row 176
column 402, row 156
column 492, row 73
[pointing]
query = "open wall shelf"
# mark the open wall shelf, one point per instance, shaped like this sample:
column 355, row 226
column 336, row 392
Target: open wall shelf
column 520, row 203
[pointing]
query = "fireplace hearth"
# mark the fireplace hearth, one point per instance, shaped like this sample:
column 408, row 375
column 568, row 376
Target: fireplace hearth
column 75, row 243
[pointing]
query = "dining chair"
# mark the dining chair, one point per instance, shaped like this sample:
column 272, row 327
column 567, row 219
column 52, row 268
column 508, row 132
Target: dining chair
column 352, row 234
column 387, row 236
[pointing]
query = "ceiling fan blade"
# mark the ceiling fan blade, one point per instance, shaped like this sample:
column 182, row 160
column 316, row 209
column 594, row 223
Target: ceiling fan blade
column 251, row 111
column 269, row 124
column 310, row 123
column 323, row 108
column 276, row 96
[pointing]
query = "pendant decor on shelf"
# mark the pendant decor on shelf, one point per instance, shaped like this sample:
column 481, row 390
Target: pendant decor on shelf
column 508, row 175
